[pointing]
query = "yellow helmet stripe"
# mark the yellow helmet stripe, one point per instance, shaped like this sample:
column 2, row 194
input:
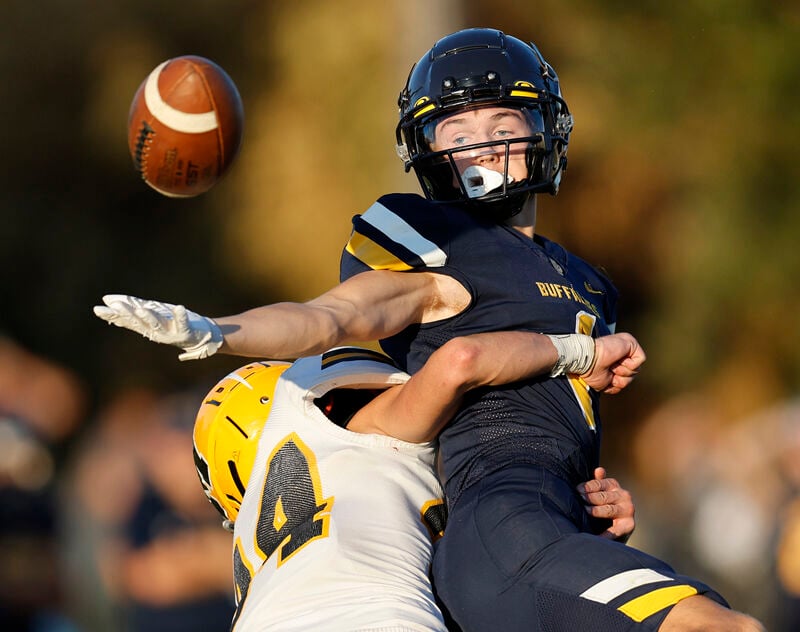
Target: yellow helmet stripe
column 425, row 110
column 521, row 90
column 524, row 93
column 428, row 108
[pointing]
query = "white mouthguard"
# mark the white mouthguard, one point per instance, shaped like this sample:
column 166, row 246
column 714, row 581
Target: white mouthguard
column 479, row 180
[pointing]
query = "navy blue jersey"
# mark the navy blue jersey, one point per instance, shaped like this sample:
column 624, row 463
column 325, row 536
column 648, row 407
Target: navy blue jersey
column 515, row 284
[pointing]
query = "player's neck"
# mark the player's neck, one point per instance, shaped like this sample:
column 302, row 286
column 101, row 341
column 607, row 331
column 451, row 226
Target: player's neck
column 525, row 220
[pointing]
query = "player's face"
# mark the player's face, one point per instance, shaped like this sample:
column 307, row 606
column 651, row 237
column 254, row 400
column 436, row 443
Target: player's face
column 484, row 125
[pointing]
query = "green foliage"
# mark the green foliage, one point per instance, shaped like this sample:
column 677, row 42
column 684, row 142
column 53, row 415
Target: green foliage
column 693, row 105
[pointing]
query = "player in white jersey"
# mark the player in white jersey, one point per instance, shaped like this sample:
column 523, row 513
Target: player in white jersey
column 333, row 526
column 330, row 480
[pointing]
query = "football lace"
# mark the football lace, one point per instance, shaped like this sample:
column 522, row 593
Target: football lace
column 142, row 143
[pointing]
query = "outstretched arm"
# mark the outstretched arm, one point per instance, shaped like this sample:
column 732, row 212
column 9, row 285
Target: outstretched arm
column 419, row 409
column 368, row 306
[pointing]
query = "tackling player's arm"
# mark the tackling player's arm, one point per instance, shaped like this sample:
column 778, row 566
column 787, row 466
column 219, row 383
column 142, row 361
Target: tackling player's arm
column 417, row 410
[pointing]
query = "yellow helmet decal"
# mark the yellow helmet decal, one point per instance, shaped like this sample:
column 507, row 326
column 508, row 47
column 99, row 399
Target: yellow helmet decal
column 524, row 89
column 421, row 101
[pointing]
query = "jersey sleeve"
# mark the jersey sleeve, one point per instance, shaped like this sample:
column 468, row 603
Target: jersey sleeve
column 399, row 232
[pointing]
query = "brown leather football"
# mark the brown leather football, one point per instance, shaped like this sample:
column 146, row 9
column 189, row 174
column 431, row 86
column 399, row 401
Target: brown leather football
column 185, row 126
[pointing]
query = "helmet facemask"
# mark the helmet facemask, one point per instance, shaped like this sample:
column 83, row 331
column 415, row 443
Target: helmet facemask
column 478, row 157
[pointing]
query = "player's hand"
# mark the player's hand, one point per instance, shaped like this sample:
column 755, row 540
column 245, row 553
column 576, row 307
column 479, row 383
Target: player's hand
column 618, row 359
column 198, row 336
column 605, row 498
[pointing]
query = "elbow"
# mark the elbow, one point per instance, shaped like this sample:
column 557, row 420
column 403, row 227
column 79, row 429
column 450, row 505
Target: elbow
column 461, row 361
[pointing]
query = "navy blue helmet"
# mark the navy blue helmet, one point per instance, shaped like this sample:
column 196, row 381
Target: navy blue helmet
column 483, row 68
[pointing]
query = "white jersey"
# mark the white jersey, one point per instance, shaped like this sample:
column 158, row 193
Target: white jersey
column 335, row 530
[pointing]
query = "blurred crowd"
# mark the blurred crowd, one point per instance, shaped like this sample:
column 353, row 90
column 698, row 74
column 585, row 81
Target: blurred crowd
column 720, row 498
column 105, row 526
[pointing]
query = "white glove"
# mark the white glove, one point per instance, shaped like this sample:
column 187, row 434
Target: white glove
column 168, row 324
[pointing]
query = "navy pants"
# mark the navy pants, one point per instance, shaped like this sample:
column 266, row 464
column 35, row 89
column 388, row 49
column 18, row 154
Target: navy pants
column 516, row 557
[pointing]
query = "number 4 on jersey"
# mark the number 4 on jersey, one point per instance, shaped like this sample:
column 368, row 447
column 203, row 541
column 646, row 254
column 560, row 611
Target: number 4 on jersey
column 292, row 512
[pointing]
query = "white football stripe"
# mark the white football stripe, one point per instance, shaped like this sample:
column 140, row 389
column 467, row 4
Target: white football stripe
column 404, row 234
column 169, row 116
column 608, row 589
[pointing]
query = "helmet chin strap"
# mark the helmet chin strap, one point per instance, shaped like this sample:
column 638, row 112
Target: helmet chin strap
column 478, row 181
column 497, row 211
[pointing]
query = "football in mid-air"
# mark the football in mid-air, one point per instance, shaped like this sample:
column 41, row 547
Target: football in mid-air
column 185, row 126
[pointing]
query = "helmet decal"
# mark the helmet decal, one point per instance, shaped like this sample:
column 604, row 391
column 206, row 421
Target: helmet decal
column 423, row 110
column 519, row 92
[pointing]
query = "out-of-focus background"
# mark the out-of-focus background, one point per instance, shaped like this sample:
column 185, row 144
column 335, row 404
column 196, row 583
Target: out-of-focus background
column 683, row 182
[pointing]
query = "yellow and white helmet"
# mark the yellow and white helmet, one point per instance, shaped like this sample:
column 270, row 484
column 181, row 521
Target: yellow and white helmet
column 227, row 430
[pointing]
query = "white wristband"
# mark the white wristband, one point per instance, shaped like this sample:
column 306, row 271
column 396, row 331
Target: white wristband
column 575, row 354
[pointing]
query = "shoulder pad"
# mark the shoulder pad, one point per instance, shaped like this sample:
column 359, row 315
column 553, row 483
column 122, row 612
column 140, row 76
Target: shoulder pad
column 344, row 367
column 399, row 232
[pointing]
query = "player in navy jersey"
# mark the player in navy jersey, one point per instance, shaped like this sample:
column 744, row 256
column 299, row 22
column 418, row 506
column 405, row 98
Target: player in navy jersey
column 485, row 127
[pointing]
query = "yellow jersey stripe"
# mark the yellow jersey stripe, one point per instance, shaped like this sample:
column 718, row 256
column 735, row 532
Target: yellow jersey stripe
column 642, row 607
column 373, row 255
column 581, row 390
column 584, row 324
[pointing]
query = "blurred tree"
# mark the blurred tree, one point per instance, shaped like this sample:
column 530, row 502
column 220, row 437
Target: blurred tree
column 77, row 222
column 681, row 182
